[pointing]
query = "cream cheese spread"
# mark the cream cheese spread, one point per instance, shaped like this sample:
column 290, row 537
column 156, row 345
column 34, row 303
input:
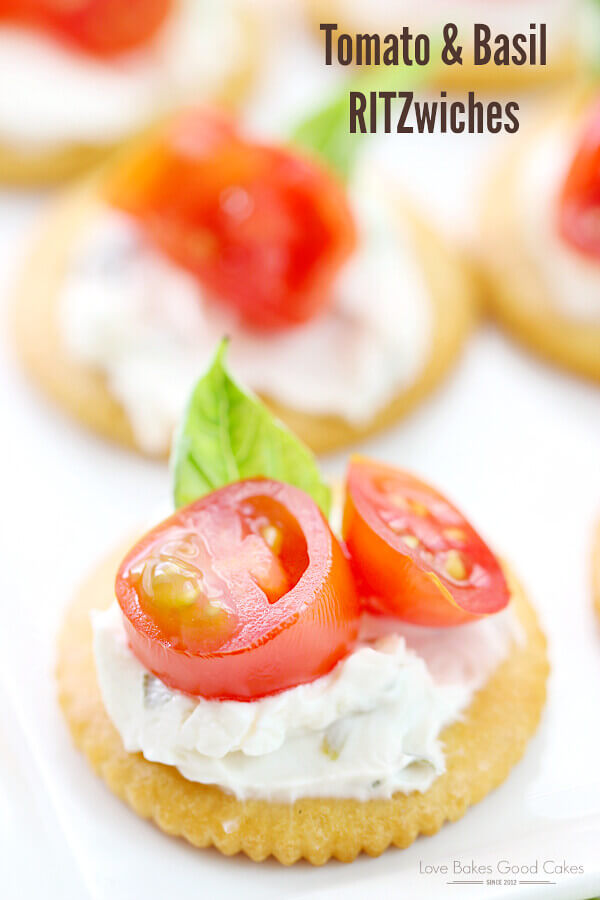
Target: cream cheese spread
column 61, row 96
column 149, row 327
column 370, row 728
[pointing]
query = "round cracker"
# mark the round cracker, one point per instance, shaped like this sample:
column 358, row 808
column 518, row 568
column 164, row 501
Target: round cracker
column 480, row 751
column 83, row 391
column 468, row 76
column 516, row 291
column 33, row 167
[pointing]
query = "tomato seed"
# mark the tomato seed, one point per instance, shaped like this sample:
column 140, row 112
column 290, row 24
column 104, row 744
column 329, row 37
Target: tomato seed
column 455, row 566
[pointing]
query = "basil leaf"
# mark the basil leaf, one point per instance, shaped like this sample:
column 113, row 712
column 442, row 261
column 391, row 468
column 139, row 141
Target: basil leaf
column 325, row 132
column 227, row 434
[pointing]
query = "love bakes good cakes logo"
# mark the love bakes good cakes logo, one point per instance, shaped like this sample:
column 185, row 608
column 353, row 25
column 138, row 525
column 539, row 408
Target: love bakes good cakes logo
column 502, row 872
column 399, row 53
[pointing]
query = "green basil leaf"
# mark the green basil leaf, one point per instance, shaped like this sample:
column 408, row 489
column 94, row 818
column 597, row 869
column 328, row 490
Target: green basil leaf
column 227, row 434
column 325, row 132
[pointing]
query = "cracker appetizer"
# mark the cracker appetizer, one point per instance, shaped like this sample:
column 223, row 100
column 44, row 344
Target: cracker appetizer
column 540, row 239
column 345, row 307
column 92, row 73
column 503, row 17
column 258, row 681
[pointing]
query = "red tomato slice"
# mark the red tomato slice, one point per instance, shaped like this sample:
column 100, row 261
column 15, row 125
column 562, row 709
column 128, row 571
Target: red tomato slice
column 417, row 556
column 579, row 210
column 102, row 27
column 243, row 593
column 264, row 229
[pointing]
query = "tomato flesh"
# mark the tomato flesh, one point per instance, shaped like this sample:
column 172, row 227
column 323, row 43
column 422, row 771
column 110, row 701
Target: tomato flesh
column 243, row 593
column 100, row 27
column 415, row 555
column 262, row 228
column 579, row 208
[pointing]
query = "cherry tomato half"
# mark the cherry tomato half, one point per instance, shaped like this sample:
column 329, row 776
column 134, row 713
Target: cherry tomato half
column 101, row 27
column 243, row 593
column 263, row 228
column 417, row 557
column 579, row 209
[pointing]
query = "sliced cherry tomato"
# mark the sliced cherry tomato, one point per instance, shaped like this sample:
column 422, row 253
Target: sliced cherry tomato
column 102, row 27
column 243, row 593
column 263, row 228
column 417, row 557
column 579, row 210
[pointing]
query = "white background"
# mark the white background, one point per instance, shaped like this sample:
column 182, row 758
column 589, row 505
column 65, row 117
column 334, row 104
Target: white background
column 514, row 442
